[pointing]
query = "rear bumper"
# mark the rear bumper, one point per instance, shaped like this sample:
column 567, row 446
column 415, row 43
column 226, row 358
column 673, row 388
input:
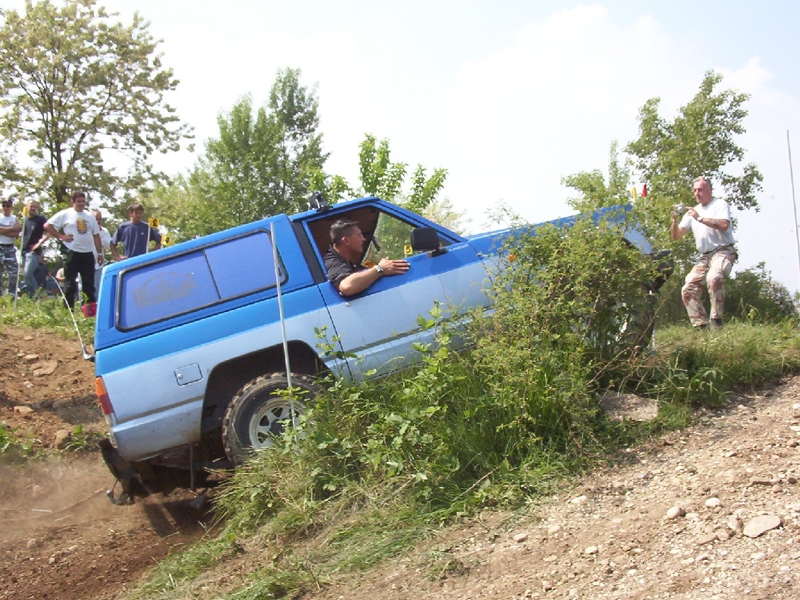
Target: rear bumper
column 159, row 475
column 124, row 472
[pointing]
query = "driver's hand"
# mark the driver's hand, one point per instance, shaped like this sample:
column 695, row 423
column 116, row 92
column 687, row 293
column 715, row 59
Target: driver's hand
column 394, row 267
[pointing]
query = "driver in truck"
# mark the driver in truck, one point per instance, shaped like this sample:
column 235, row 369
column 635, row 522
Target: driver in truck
column 346, row 274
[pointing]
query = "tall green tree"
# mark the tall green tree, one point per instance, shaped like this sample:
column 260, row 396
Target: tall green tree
column 265, row 161
column 383, row 178
column 594, row 191
column 77, row 86
column 701, row 140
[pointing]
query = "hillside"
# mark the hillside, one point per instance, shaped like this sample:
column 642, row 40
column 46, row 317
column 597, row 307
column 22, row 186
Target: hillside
column 609, row 535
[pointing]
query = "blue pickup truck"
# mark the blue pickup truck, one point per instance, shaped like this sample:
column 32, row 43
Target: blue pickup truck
column 192, row 341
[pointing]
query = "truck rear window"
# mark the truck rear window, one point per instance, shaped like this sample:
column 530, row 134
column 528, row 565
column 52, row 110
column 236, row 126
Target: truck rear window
column 195, row 280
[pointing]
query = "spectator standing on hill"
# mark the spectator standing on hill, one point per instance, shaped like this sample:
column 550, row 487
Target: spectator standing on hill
column 134, row 235
column 9, row 232
column 105, row 243
column 33, row 236
column 710, row 223
column 81, row 236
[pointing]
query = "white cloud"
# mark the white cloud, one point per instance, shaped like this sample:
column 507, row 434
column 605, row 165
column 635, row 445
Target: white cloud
column 549, row 104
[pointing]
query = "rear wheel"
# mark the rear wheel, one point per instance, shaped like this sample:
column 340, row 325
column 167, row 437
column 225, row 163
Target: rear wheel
column 624, row 327
column 260, row 411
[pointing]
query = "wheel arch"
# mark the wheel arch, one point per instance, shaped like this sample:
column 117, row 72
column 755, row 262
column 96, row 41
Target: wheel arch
column 230, row 376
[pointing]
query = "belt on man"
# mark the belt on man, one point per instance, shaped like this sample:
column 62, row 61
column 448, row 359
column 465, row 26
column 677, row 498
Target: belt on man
column 719, row 248
column 5, row 245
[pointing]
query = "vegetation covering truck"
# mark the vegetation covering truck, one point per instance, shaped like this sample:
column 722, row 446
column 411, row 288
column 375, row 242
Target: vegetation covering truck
column 192, row 341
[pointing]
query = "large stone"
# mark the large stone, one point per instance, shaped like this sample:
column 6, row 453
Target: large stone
column 629, row 406
column 760, row 525
column 44, row 368
column 63, row 437
column 675, row 512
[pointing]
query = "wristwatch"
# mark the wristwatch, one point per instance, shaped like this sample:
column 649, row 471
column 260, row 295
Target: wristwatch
column 699, row 219
column 379, row 269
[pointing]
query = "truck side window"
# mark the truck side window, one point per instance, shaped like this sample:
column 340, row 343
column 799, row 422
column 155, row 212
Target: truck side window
column 191, row 281
column 393, row 235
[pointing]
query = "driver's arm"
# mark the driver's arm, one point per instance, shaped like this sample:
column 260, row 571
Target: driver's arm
column 361, row 280
column 358, row 281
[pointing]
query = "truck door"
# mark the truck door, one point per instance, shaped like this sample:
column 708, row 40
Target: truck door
column 381, row 324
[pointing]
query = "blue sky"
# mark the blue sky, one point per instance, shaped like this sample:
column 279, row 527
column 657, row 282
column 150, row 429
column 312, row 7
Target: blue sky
column 508, row 96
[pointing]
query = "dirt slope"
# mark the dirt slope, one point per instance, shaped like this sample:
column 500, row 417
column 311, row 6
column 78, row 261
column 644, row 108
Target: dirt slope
column 61, row 537
column 609, row 537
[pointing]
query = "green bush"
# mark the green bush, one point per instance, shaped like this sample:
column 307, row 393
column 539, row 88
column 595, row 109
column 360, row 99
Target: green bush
column 753, row 296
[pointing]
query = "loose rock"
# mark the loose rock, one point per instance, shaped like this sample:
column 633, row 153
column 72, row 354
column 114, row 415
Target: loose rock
column 62, row 439
column 676, row 512
column 760, row 525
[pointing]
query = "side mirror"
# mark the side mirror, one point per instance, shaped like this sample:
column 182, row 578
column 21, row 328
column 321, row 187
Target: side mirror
column 425, row 239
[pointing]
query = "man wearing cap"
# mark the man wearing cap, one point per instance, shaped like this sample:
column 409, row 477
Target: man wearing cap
column 710, row 223
column 9, row 232
column 341, row 261
column 81, row 236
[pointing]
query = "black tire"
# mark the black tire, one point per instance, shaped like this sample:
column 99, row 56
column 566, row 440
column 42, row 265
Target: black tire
column 257, row 413
column 624, row 328
column 637, row 332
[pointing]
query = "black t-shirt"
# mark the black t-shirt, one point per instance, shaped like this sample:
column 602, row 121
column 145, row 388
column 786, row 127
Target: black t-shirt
column 339, row 268
column 33, row 232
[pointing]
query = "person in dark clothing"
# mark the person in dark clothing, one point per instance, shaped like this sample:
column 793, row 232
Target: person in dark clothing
column 33, row 236
column 347, row 247
column 134, row 235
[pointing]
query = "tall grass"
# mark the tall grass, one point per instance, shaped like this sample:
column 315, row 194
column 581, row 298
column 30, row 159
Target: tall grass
column 49, row 313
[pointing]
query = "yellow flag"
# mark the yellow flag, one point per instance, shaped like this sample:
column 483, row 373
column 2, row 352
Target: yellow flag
column 153, row 222
column 634, row 194
column 166, row 240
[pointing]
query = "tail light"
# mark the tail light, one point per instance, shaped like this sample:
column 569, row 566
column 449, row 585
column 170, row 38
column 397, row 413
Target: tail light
column 102, row 397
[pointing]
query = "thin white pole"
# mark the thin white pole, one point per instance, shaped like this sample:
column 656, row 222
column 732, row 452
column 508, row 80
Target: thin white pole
column 794, row 203
column 283, row 322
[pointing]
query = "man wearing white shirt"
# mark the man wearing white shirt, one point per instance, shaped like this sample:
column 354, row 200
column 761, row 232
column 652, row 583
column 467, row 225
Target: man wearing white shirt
column 710, row 223
column 81, row 236
column 9, row 232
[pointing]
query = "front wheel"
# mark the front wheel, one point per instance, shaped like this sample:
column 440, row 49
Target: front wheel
column 260, row 411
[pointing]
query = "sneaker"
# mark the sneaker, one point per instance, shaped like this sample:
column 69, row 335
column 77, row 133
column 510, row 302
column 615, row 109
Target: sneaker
column 715, row 324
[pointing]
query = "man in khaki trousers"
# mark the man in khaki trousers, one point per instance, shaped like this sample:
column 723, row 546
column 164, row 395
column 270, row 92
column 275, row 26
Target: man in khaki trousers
column 710, row 223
